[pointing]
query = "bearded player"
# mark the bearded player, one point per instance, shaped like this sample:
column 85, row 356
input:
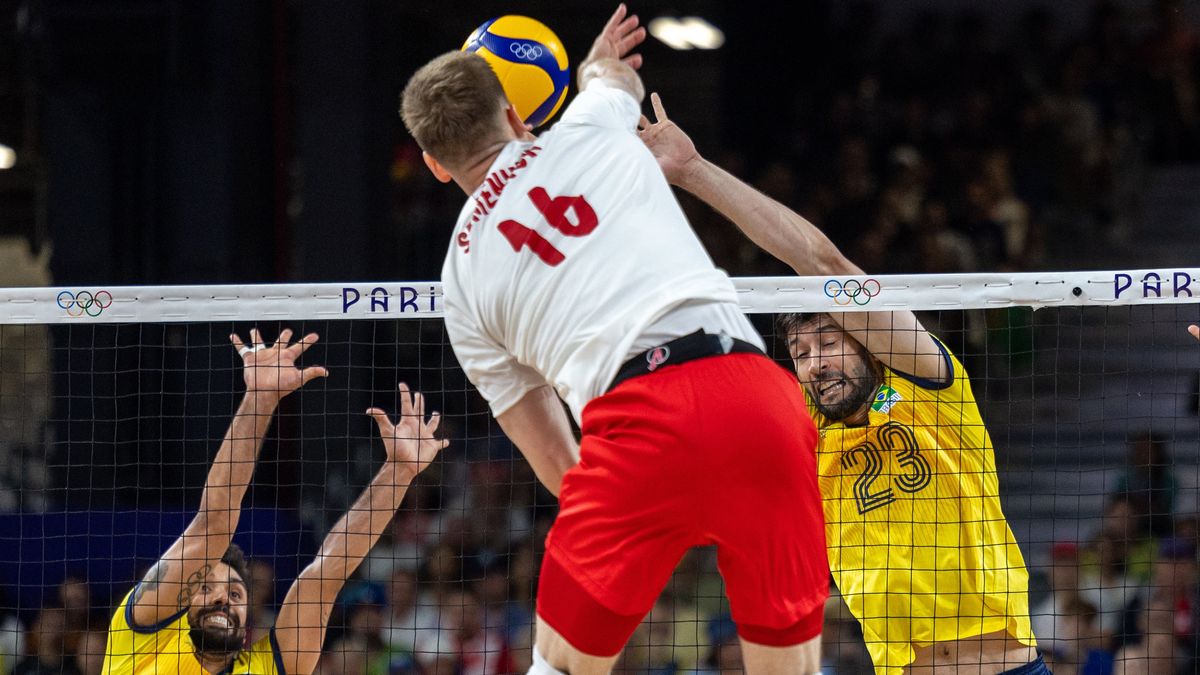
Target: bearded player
column 573, row 273
column 918, row 544
column 190, row 613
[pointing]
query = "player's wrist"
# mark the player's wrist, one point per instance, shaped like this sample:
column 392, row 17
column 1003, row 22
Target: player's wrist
column 694, row 173
column 262, row 400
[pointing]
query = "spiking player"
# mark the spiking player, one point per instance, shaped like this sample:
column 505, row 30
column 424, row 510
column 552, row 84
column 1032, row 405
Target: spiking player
column 571, row 258
column 189, row 614
column 918, row 544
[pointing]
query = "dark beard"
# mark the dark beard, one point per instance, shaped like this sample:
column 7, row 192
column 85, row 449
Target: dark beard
column 216, row 641
column 862, row 390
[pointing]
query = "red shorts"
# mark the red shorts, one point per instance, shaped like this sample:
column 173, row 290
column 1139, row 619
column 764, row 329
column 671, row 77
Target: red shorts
column 719, row 450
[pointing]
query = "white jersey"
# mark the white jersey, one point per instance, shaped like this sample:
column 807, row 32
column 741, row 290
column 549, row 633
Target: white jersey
column 572, row 257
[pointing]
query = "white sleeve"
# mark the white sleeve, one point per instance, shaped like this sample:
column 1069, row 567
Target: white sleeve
column 495, row 373
column 603, row 106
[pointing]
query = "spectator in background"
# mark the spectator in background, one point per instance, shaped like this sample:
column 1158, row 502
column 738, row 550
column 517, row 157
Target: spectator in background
column 1130, row 548
column 501, row 612
column 1065, row 623
column 463, row 645
column 345, row 655
column 48, row 637
column 1174, row 589
column 12, row 635
column 411, row 617
column 725, row 651
column 262, row 600
column 1105, row 585
column 75, row 598
column 1149, row 482
column 89, row 656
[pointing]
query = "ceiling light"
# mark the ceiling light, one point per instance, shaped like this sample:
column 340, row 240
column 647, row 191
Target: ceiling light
column 689, row 32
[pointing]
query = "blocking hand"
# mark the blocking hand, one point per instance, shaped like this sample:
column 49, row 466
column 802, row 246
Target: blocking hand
column 272, row 369
column 672, row 148
column 410, row 442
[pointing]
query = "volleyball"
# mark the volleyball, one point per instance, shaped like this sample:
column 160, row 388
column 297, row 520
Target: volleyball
column 530, row 61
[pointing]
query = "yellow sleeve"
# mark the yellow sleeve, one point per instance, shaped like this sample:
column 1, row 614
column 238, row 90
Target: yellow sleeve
column 130, row 645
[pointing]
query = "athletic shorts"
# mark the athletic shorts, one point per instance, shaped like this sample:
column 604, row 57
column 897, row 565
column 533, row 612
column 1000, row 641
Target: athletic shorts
column 718, row 450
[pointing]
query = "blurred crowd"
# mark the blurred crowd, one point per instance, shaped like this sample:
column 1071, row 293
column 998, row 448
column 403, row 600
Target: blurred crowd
column 962, row 145
column 450, row 589
column 951, row 146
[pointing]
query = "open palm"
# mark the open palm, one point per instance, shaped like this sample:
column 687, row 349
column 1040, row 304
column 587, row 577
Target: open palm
column 409, row 441
column 272, row 369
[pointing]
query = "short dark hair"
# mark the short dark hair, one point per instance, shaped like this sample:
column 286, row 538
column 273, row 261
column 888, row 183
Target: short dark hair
column 235, row 557
column 450, row 106
column 789, row 323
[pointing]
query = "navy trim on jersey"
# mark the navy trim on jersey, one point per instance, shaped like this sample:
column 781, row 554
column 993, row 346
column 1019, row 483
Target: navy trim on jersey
column 930, row 384
column 146, row 630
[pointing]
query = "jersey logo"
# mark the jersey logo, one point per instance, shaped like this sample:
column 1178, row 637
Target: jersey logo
column 656, row 357
column 885, row 399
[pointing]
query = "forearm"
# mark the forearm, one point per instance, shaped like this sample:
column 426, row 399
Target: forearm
column 233, row 467
column 614, row 73
column 539, row 427
column 772, row 226
column 359, row 529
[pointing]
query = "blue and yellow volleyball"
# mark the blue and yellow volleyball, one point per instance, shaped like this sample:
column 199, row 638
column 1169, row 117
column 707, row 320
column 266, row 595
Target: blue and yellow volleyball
column 530, row 61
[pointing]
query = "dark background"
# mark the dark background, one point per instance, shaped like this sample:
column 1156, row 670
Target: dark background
column 233, row 141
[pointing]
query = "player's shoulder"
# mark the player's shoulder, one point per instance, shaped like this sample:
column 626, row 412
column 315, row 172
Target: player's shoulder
column 263, row 657
column 954, row 379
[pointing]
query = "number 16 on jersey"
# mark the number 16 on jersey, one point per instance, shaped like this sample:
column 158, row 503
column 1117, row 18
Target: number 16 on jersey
column 556, row 211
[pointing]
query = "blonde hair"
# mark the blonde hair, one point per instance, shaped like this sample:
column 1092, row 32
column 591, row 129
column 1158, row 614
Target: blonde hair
column 450, row 106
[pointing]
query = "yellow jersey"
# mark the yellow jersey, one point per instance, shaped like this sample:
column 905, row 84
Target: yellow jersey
column 918, row 544
column 166, row 648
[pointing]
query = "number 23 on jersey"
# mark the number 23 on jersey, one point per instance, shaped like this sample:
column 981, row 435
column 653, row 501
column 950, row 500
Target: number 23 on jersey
column 557, row 212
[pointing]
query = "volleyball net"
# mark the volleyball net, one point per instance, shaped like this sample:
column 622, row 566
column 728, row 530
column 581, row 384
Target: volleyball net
column 114, row 399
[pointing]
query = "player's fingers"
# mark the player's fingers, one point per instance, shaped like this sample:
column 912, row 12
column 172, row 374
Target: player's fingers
column 659, row 111
column 311, row 373
column 255, row 337
column 615, row 18
column 1195, row 331
column 419, row 405
column 632, row 40
column 285, row 336
column 386, row 428
column 307, row 341
column 633, row 61
column 406, row 406
column 625, row 27
column 435, row 420
column 237, row 342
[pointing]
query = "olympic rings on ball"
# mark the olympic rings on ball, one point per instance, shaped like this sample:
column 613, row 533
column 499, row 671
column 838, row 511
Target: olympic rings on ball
column 526, row 50
column 852, row 290
column 84, row 302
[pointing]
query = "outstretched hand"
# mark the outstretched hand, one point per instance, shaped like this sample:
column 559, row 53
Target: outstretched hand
column 410, row 443
column 672, row 148
column 272, row 370
column 619, row 36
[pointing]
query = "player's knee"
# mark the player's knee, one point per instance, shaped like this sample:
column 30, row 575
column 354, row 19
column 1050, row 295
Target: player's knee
column 803, row 630
column 541, row 666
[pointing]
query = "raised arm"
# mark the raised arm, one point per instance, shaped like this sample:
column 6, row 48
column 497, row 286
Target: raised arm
column 410, row 445
column 896, row 338
column 270, row 374
column 539, row 427
column 609, row 59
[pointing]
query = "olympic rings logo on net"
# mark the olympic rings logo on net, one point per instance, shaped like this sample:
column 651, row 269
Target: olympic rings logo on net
column 526, row 50
column 84, row 302
column 852, row 290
